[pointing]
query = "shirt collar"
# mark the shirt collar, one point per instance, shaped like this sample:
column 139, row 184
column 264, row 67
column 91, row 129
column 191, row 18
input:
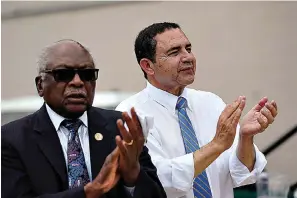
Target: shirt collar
column 166, row 99
column 57, row 119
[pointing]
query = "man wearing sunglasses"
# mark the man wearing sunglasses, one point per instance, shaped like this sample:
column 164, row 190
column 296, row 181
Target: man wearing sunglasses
column 69, row 148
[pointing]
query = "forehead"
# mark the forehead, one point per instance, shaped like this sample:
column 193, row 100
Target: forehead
column 70, row 54
column 171, row 38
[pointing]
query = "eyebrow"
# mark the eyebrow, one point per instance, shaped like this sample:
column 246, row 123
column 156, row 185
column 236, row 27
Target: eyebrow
column 178, row 47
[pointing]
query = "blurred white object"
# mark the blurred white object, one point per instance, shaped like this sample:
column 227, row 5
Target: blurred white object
column 295, row 194
column 272, row 185
column 262, row 186
column 279, row 186
column 16, row 108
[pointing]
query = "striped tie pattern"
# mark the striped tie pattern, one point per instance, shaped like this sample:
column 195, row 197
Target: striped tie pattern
column 77, row 170
column 201, row 186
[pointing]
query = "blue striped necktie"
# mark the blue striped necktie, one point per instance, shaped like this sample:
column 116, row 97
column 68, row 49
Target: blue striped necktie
column 77, row 170
column 201, row 186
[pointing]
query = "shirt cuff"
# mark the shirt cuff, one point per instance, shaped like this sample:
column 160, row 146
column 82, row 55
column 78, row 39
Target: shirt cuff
column 240, row 173
column 130, row 190
column 183, row 172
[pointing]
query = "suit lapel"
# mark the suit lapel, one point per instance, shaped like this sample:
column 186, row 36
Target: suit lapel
column 49, row 143
column 99, row 149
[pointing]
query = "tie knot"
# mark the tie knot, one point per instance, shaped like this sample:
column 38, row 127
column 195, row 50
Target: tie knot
column 181, row 103
column 72, row 125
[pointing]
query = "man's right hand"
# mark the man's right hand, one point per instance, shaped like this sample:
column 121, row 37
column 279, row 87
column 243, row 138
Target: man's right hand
column 107, row 178
column 226, row 131
column 227, row 124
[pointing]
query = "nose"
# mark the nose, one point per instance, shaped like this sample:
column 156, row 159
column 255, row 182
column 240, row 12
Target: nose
column 76, row 81
column 187, row 57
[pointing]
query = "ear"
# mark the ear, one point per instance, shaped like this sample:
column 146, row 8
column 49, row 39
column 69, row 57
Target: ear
column 39, row 85
column 147, row 66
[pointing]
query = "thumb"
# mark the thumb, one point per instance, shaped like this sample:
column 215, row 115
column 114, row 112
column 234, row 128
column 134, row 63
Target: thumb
column 260, row 104
column 114, row 155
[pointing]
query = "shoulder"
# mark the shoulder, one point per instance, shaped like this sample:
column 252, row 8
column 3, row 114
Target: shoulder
column 205, row 96
column 135, row 100
column 105, row 112
column 206, row 100
column 17, row 129
column 104, row 119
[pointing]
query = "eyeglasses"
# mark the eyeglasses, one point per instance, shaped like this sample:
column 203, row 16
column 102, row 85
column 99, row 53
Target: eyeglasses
column 66, row 75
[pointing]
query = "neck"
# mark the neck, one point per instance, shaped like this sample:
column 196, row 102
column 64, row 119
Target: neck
column 65, row 113
column 175, row 90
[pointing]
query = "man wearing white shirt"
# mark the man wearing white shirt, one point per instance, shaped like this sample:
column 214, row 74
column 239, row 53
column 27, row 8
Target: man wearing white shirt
column 194, row 139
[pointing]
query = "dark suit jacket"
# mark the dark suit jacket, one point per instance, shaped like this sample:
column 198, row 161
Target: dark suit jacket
column 33, row 164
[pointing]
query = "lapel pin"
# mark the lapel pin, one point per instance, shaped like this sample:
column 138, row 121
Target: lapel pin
column 98, row 136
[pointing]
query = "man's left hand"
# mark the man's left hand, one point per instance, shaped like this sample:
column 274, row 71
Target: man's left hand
column 130, row 147
column 258, row 118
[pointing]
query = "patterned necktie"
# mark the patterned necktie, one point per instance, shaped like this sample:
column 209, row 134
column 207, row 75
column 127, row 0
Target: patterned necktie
column 201, row 186
column 77, row 170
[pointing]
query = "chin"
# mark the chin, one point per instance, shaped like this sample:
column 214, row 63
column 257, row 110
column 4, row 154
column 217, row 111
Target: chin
column 188, row 81
column 75, row 110
column 191, row 81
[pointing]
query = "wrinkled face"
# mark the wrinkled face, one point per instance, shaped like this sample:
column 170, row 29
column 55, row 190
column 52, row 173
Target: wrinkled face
column 69, row 98
column 175, row 63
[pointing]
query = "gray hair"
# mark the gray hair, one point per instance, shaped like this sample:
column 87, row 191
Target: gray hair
column 43, row 57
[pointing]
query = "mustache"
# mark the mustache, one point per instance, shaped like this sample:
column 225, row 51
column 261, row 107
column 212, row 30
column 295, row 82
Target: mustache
column 186, row 66
column 77, row 93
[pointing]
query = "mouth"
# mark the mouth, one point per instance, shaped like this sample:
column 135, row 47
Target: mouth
column 77, row 98
column 187, row 69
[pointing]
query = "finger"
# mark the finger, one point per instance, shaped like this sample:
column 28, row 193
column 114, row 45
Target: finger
column 238, row 111
column 134, row 132
column 274, row 104
column 263, row 122
column 111, row 162
column 125, row 134
column 131, row 125
column 236, row 118
column 139, row 131
column 135, row 117
column 108, row 178
column 271, row 108
column 115, row 154
column 268, row 115
column 111, row 181
column 112, row 157
column 121, row 146
column 230, row 108
column 136, row 122
column 242, row 103
column 127, row 137
column 115, row 181
column 260, row 104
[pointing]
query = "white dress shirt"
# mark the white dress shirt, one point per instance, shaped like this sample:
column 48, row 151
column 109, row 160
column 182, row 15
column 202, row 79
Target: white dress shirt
column 63, row 134
column 175, row 168
column 83, row 134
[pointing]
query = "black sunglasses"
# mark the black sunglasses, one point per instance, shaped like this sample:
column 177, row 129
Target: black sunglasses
column 67, row 75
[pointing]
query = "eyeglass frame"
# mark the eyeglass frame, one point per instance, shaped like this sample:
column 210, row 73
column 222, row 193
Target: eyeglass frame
column 76, row 71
